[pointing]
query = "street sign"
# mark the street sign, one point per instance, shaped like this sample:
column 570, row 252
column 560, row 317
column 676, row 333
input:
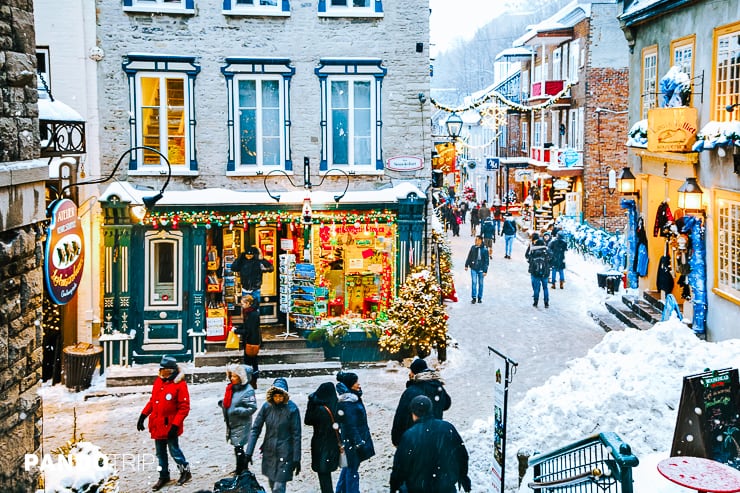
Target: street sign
column 493, row 163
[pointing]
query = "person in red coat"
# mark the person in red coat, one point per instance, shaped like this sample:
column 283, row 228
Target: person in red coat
column 167, row 409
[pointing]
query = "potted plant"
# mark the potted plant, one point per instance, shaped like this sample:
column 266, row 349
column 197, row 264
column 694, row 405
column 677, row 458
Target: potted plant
column 350, row 339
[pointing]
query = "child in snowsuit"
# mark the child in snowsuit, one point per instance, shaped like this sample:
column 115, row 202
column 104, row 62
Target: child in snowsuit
column 238, row 406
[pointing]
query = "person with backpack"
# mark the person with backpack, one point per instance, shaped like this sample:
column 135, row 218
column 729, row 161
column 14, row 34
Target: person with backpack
column 477, row 261
column 488, row 232
column 539, row 270
column 508, row 230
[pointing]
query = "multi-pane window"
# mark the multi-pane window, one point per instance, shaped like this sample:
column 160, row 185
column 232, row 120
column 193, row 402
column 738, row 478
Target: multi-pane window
column 574, row 60
column 42, row 67
column 649, row 81
column 525, row 135
column 556, row 64
column 258, row 117
column 159, row 5
column 163, row 264
column 256, row 7
column 728, row 246
column 369, row 8
column 575, row 128
column 537, row 142
column 351, row 121
column 726, row 83
column 162, row 112
column 682, row 54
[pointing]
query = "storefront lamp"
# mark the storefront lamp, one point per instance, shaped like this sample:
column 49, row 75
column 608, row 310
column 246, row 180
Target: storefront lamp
column 627, row 182
column 307, row 212
column 454, row 125
column 690, row 196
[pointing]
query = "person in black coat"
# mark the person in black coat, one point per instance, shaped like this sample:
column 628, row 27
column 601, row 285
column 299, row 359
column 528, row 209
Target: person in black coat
column 477, row 261
column 431, row 457
column 320, row 413
column 356, row 439
column 422, row 381
column 250, row 267
column 556, row 248
column 249, row 333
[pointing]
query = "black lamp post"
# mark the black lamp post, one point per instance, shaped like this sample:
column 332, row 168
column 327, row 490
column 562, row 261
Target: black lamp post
column 454, row 126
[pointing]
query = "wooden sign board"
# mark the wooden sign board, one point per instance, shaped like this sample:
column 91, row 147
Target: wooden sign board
column 708, row 423
column 672, row 129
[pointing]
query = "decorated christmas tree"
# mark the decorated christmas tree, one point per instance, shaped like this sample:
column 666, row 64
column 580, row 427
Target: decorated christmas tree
column 445, row 265
column 417, row 321
column 469, row 193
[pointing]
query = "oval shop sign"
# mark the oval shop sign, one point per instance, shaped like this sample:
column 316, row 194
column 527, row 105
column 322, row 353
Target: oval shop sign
column 404, row 163
column 65, row 252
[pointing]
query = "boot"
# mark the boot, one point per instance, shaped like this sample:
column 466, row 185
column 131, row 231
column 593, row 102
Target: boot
column 161, row 483
column 562, row 283
column 241, row 461
column 185, row 475
column 552, row 285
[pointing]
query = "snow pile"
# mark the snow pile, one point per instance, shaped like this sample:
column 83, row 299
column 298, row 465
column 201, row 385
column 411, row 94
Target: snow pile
column 637, row 136
column 717, row 134
column 83, row 469
column 630, row 384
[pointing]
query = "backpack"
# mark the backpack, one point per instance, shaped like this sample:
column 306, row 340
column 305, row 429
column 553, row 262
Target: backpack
column 539, row 266
column 246, row 482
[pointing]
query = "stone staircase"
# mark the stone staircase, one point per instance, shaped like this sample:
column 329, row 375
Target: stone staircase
column 630, row 311
column 280, row 356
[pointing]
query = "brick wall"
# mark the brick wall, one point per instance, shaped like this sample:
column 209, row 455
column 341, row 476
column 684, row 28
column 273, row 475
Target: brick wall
column 21, row 214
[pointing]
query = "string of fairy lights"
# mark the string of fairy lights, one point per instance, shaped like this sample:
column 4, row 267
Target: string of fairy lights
column 245, row 219
column 500, row 98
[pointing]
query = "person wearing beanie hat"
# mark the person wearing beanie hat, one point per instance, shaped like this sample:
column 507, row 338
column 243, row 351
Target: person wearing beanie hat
column 167, row 409
column 238, row 406
column 422, row 381
column 354, row 431
column 281, row 447
column 431, row 456
column 321, row 413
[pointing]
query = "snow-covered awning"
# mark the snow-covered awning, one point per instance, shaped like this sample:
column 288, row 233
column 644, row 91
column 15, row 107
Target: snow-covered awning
column 717, row 134
column 515, row 53
column 55, row 110
column 215, row 197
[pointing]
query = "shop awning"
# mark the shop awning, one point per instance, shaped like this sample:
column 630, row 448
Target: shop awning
column 224, row 198
column 562, row 171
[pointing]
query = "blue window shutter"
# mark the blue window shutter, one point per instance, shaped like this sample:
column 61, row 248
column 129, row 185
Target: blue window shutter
column 128, row 3
column 378, row 5
column 286, row 5
column 227, row 4
column 189, row 4
column 322, row 5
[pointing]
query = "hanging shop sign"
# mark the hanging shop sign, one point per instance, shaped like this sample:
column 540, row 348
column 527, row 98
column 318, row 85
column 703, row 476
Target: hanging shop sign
column 523, row 175
column 672, row 129
column 404, row 163
column 561, row 185
column 64, row 252
column 569, row 157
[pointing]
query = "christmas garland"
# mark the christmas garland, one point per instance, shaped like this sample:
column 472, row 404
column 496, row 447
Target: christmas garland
column 445, row 264
column 493, row 94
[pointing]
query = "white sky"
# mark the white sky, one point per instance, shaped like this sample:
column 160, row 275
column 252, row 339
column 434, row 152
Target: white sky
column 451, row 19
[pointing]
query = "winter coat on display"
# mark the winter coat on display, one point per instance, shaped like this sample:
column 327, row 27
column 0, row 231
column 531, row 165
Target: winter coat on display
column 281, row 447
column 557, row 248
column 426, row 383
column 251, row 270
column 352, row 419
column 639, row 263
column 439, row 468
column 238, row 406
column 665, row 276
column 168, row 406
column 663, row 217
column 324, row 442
column 477, row 258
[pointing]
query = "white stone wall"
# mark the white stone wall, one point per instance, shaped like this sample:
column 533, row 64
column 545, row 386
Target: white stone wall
column 304, row 38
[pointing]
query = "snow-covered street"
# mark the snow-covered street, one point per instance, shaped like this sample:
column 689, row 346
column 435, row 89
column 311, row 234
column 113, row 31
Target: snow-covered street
column 572, row 380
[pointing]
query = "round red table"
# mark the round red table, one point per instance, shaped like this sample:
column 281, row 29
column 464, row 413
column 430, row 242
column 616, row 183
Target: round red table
column 703, row 475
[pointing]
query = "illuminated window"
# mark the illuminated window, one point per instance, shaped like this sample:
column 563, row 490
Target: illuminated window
column 726, row 83
column 162, row 112
column 649, row 81
column 727, row 278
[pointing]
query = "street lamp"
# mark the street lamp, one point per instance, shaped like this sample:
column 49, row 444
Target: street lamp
column 627, row 182
column 454, row 125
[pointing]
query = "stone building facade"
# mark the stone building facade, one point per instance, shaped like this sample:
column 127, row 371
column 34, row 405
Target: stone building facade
column 22, row 216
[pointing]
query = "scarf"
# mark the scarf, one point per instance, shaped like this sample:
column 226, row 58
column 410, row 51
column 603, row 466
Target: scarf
column 227, row 395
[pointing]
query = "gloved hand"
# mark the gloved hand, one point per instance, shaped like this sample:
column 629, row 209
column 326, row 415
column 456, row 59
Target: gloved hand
column 296, row 468
column 465, row 484
column 140, row 423
column 248, row 459
column 221, row 403
column 173, row 432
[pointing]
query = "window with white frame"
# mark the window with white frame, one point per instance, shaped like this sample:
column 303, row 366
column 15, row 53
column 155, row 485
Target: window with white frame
column 575, row 128
column 257, row 7
column 555, row 137
column 162, row 112
column 649, row 82
column 525, row 135
column 556, row 64
column 728, row 245
column 682, row 54
column 537, row 142
column 350, row 8
column 351, row 114
column 258, row 117
column 526, row 85
column 726, row 80
column 178, row 6
column 574, row 61
column 43, row 67
column 163, row 267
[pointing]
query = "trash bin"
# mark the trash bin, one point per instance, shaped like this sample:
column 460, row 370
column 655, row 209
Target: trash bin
column 609, row 280
column 78, row 364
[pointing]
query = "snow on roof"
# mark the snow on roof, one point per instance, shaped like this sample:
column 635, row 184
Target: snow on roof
column 211, row 197
column 514, row 52
column 568, row 16
column 56, row 110
column 639, row 5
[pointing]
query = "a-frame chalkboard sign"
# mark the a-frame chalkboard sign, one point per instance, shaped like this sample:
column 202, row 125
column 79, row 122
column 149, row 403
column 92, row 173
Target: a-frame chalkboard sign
column 708, row 423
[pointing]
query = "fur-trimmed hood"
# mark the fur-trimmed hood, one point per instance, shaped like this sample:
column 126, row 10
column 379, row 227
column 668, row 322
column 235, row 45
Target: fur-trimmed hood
column 428, row 375
column 244, row 372
column 279, row 385
column 176, row 377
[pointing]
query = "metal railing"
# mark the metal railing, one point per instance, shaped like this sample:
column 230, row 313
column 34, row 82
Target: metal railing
column 600, row 463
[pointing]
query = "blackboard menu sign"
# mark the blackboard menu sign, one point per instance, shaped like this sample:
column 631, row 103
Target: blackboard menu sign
column 708, row 423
